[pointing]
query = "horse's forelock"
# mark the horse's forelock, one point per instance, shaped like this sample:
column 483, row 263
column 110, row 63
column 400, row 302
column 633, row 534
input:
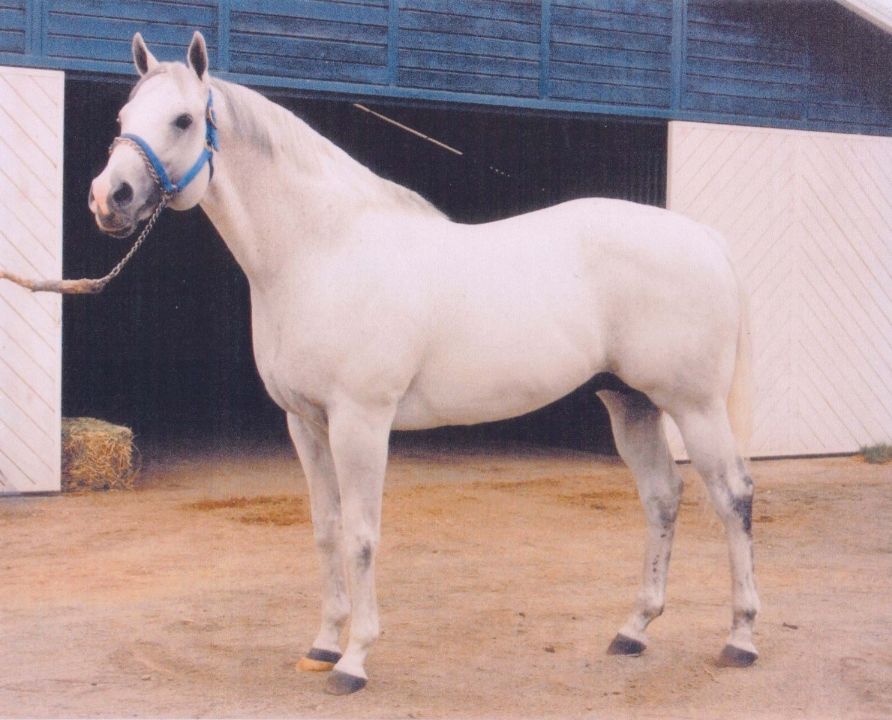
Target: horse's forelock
column 157, row 70
column 181, row 74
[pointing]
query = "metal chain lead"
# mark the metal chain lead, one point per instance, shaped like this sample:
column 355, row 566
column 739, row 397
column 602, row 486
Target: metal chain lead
column 150, row 223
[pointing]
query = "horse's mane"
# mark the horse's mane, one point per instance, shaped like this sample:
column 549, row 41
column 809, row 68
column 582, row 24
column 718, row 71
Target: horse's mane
column 271, row 129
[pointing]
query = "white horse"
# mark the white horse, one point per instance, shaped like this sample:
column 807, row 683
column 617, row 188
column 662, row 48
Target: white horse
column 372, row 311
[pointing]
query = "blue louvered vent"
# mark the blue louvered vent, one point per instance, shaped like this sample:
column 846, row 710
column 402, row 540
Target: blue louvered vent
column 742, row 62
column 849, row 73
column 12, row 26
column 489, row 47
column 811, row 65
column 100, row 31
column 611, row 51
column 323, row 40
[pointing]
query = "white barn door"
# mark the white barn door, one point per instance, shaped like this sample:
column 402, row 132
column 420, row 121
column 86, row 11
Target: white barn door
column 809, row 220
column 31, row 138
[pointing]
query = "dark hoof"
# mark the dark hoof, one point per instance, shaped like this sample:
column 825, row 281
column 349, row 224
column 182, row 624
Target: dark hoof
column 318, row 660
column 340, row 683
column 736, row 657
column 623, row 645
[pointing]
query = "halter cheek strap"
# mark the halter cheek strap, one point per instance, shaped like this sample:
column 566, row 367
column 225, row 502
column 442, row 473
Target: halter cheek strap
column 211, row 144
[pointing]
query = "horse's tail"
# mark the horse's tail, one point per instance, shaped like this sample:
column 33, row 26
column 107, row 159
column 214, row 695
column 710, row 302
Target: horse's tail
column 740, row 396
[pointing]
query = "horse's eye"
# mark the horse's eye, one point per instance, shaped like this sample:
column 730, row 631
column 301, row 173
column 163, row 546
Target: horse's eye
column 183, row 121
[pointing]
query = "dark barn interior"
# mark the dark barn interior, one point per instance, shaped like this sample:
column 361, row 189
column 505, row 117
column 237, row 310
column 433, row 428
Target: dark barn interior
column 166, row 348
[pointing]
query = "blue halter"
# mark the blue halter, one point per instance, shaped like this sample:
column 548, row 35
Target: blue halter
column 211, row 143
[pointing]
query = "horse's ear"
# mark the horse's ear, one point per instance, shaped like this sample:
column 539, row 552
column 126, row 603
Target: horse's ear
column 197, row 55
column 142, row 58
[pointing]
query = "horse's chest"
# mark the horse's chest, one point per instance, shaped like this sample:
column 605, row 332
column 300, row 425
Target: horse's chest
column 293, row 366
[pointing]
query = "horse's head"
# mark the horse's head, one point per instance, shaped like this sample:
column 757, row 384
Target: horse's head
column 167, row 138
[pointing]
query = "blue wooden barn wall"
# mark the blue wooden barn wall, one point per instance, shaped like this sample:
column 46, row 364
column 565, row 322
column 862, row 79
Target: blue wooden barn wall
column 808, row 65
column 13, row 22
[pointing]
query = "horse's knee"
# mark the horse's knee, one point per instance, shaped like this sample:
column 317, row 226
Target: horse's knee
column 360, row 550
column 327, row 537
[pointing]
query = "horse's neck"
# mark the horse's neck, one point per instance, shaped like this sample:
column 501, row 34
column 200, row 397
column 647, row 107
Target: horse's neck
column 281, row 190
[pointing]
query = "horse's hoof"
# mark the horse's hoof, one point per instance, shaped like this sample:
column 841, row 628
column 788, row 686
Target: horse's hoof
column 341, row 683
column 736, row 657
column 624, row 645
column 318, row 660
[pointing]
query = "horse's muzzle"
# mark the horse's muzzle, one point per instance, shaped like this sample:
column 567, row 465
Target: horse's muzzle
column 118, row 233
column 113, row 211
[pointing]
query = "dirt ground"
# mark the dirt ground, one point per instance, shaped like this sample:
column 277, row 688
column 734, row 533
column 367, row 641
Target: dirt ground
column 502, row 577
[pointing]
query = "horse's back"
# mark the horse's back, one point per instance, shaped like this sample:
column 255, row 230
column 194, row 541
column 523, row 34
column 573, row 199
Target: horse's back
column 617, row 262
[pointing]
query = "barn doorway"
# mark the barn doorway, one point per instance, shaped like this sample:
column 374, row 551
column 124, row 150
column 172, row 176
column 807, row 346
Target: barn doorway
column 166, row 348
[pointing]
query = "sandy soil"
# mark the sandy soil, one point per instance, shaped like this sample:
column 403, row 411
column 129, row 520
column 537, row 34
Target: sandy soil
column 502, row 577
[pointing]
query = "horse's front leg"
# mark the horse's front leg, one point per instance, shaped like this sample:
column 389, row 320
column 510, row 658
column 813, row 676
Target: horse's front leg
column 359, row 435
column 310, row 439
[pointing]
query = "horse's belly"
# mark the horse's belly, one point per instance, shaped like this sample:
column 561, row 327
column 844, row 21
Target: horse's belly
column 497, row 376
column 460, row 397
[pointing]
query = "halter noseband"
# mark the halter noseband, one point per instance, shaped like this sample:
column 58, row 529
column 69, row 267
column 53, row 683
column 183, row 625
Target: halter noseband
column 168, row 187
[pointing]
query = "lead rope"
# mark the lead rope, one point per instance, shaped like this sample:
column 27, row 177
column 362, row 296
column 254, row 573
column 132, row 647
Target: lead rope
column 89, row 286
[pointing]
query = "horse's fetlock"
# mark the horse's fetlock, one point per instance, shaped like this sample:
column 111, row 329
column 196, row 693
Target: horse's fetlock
column 372, row 634
column 650, row 606
column 744, row 617
column 366, row 632
column 337, row 610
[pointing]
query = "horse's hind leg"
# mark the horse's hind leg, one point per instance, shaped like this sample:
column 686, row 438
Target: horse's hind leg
column 311, row 442
column 712, row 449
column 641, row 442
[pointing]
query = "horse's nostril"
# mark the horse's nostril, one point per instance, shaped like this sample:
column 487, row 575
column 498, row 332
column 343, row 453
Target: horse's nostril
column 123, row 195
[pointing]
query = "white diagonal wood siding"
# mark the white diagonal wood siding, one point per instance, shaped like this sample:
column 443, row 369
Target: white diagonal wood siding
column 809, row 220
column 31, row 117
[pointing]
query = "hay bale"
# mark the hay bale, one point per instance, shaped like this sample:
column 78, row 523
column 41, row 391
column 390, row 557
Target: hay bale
column 96, row 455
